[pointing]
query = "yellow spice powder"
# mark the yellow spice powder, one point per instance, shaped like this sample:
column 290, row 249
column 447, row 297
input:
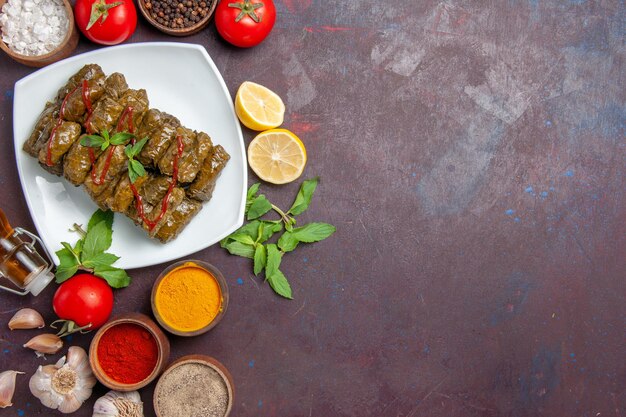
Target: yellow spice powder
column 188, row 298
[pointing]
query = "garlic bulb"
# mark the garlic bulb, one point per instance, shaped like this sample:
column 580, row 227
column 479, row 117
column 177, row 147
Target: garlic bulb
column 26, row 318
column 65, row 385
column 45, row 343
column 119, row 404
column 7, row 387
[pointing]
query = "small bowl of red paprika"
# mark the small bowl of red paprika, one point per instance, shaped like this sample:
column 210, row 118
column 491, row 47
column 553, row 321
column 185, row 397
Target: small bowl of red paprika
column 129, row 352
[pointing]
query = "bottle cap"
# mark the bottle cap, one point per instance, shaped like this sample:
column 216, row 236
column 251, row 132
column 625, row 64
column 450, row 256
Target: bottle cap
column 40, row 282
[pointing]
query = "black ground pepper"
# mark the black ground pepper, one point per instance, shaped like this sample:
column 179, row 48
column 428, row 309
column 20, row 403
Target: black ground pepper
column 178, row 14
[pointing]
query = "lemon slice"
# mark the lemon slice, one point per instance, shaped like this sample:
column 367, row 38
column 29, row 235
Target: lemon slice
column 258, row 107
column 277, row 156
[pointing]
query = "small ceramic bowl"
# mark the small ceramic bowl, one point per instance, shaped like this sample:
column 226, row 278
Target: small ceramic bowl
column 223, row 288
column 62, row 51
column 186, row 31
column 163, row 386
column 163, row 347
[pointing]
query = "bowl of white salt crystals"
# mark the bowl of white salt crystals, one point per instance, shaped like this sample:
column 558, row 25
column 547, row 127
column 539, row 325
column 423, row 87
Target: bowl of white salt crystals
column 37, row 32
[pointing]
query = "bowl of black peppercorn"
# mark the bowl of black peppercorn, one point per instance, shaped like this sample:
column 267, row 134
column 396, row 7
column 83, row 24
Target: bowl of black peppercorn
column 178, row 17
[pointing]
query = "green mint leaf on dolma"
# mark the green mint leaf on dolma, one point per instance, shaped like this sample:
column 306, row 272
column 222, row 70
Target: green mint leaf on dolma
column 101, row 259
column 68, row 264
column 303, row 199
column 240, row 249
column 135, row 170
column 313, row 232
column 93, row 141
column 288, row 242
column 137, row 147
column 260, row 259
column 274, row 257
column 98, row 240
column 121, row 138
column 280, row 285
column 259, row 207
column 116, row 277
column 100, row 215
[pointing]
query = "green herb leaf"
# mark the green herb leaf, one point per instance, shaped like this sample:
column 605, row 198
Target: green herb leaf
column 287, row 242
column 138, row 146
column 240, row 249
column 280, row 285
column 313, row 232
column 252, row 191
column 71, row 250
column 105, row 135
column 68, row 264
column 93, row 141
column 78, row 247
column 121, row 138
column 259, row 207
column 116, row 277
column 242, row 238
column 269, row 228
column 98, row 240
column 260, row 259
column 135, row 170
column 274, row 257
column 101, row 259
column 128, row 151
column 303, row 199
column 98, row 216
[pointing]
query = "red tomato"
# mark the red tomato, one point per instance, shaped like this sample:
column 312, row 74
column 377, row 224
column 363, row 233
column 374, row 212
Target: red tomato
column 107, row 22
column 84, row 299
column 245, row 23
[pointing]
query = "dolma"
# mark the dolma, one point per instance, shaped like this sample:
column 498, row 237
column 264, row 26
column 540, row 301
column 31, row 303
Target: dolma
column 88, row 72
column 178, row 219
column 204, row 184
column 42, row 129
column 62, row 137
column 123, row 196
column 107, row 171
column 152, row 212
column 160, row 129
column 135, row 103
column 196, row 147
column 78, row 161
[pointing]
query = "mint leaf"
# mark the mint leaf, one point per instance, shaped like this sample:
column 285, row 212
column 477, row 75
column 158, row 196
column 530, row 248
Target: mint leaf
column 313, row 232
column 121, row 138
column 269, row 228
column 135, row 170
column 93, row 141
column 260, row 259
column 101, row 259
column 240, row 249
column 99, row 216
column 303, row 199
column 98, row 240
column 71, row 251
column 252, row 191
column 242, row 238
column 68, row 264
column 273, row 260
column 116, row 277
column 280, row 285
column 287, row 242
column 136, row 148
column 260, row 205
column 105, row 135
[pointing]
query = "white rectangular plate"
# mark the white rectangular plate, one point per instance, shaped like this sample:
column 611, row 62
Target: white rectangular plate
column 180, row 79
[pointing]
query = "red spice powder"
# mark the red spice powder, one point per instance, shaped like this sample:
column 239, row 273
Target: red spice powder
column 127, row 353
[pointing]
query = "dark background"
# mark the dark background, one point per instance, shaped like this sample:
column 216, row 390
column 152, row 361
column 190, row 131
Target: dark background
column 472, row 157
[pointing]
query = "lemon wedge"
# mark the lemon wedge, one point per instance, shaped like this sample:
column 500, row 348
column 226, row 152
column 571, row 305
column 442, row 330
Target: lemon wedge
column 258, row 107
column 277, row 156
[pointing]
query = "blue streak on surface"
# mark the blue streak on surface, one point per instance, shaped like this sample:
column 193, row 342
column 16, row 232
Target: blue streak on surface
column 240, row 281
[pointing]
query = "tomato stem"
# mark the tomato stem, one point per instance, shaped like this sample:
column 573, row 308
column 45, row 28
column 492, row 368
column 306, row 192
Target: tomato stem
column 100, row 9
column 248, row 9
column 68, row 327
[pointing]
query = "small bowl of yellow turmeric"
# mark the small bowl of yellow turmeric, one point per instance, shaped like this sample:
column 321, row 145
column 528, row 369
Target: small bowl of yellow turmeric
column 189, row 298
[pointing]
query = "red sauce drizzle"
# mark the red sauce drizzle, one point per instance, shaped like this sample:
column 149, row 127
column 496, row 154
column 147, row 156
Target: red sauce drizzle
column 56, row 126
column 128, row 115
column 164, row 203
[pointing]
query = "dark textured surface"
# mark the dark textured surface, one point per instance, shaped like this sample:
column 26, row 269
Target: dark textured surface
column 472, row 157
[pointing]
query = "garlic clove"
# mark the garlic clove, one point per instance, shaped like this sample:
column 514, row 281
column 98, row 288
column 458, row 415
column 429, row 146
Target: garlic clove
column 70, row 403
column 119, row 404
column 45, row 343
column 7, row 387
column 26, row 318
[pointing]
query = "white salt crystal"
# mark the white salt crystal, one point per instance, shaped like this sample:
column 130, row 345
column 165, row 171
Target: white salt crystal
column 33, row 27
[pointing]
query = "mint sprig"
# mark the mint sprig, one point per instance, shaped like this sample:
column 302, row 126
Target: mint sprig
column 88, row 253
column 135, row 168
column 249, row 241
column 104, row 140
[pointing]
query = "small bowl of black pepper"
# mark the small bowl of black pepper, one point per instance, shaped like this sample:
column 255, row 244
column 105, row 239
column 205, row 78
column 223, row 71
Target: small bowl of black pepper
column 178, row 17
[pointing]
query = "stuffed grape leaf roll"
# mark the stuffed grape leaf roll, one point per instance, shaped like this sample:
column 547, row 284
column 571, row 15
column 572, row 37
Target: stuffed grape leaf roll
column 204, row 184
